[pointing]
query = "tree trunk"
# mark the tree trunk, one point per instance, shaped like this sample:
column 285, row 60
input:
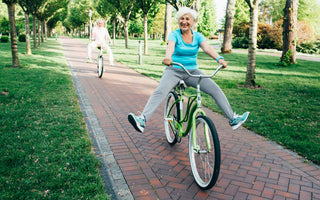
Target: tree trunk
column 13, row 35
column 114, row 31
column 289, row 30
column 126, row 35
column 45, row 30
column 251, row 66
column 145, row 25
column 167, row 22
column 27, row 25
column 227, row 39
column 119, row 29
column 42, row 31
column 39, row 33
column 34, row 30
column 196, row 7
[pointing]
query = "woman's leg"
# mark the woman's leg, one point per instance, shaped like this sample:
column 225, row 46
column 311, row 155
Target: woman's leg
column 91, row 45
column 208, row 86
column 169, row 80
column 109, row 52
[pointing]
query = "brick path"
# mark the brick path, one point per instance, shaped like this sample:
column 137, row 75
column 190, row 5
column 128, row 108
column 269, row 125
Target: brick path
column 144, row 166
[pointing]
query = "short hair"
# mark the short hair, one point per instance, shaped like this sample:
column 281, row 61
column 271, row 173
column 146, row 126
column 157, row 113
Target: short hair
column 100, row 20
column 185, row 10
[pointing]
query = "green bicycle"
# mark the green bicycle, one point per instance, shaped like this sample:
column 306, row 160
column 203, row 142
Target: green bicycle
column 204, row 145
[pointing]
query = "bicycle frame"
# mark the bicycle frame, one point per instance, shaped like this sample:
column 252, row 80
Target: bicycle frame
column 192, row 111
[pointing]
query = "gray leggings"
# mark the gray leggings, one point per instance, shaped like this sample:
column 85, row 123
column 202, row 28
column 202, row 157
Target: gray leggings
column 170, row 78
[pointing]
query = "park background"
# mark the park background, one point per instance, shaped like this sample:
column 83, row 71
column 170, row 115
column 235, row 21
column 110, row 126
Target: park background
column 284, row 105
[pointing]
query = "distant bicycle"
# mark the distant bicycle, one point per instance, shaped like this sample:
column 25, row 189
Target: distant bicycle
column 100, row 62
column 204, row 145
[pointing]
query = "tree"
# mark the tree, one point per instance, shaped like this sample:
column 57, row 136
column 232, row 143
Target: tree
column 227, row 39
column 251, row 66
column 13, row 33
column 4, row 26
column 78, row 16
column 124, row 8
column 289, row 31
column 309, row 11
column 145, row 6
column 47, row 10
column 181, row 3
column 167, row 21
column 242, row 12
column 207, row 18
column 157, row 26
column 266, row 10
column 59, row 15
column 31, row 7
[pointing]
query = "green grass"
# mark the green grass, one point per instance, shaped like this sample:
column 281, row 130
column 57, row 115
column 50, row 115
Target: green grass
column 285, row 109
column 46, row 151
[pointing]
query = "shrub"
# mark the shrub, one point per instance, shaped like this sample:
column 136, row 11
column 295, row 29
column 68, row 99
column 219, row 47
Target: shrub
column 269, row 37
column 309, row 48
column 4, row 39
column 304, row 32
column 266, row 39
column 241, row 29
column 240, row 42
column 22, row 38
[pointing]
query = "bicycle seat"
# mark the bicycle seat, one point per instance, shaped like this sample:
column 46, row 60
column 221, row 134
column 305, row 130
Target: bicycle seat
column 99, row 47
column 182, row 84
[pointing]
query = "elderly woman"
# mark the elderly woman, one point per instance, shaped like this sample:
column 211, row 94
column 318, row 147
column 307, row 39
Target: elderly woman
column 183, row 46
column 100, row 36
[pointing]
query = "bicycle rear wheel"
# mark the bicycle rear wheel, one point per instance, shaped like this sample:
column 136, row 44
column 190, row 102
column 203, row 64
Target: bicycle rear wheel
column 171, row 116
column 100, row 66
column 205, row 160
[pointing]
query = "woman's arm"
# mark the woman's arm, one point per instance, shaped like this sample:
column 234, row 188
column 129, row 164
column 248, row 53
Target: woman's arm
column 208, row 49
column 170, row 49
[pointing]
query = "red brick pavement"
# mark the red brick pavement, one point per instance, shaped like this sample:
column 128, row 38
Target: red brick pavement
column 251, row 168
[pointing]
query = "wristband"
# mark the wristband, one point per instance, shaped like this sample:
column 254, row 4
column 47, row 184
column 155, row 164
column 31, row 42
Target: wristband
column 219, row 57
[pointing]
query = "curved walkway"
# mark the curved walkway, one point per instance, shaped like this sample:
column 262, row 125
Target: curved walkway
column 144, row 166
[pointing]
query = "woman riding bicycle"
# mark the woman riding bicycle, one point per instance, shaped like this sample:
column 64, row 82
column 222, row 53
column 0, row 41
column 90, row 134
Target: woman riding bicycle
column 183, row 46
column 99, row 38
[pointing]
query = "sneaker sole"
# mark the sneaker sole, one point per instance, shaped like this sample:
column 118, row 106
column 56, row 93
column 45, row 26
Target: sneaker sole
column 134, row 123
column 238, row 125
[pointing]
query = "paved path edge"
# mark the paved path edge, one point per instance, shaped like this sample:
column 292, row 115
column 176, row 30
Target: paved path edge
column 109, row 169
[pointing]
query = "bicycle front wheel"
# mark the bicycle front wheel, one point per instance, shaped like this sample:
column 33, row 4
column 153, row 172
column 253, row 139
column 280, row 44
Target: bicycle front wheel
column 205, row 155
column 171, row 117
column 100, row 66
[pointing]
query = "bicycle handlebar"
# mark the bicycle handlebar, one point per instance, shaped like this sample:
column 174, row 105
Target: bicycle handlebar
column 198, row 75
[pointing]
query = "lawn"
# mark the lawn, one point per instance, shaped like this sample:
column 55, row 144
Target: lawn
column 285, row 108
column 46, row 151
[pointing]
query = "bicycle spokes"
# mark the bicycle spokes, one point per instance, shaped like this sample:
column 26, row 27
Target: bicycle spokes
column 171, row 117
column 204, row 153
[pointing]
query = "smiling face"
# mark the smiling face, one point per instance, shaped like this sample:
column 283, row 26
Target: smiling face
column 100, row 24
column 186, row 22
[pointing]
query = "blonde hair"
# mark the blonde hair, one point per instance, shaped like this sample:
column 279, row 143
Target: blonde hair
column 185, row 10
